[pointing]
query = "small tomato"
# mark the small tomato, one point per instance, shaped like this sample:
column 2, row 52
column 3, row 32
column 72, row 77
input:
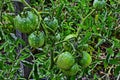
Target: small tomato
column 36, row 39
column 99, row 4
column 86, row 59
column 73, row 71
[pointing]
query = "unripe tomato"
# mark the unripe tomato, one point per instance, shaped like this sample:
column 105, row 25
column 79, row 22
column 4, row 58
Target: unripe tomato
column 73, row 71
column 99, row 4
column 57, row 37
column 65, row 61
column 36, row 39
column 26, row 22
column 52, row 23
column 86, row 59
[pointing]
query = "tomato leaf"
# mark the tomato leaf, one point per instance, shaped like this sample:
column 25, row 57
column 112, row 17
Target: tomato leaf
column 70, row 36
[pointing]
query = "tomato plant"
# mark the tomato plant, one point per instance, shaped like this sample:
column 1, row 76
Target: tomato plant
column 59, row 39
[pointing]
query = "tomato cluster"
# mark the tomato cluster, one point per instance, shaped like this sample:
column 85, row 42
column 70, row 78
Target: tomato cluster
column 66, row 62
column 27, row 22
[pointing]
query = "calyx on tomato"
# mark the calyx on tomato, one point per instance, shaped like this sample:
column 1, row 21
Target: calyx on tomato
column 86, row 59
column 26, row 22
column 36, row 39
column 65, row 61
column 99, row 4
column 72, row 71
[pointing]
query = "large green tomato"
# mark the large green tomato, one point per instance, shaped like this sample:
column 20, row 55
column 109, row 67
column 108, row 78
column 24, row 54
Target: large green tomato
column 99, row 4
column 26, row 22
column 36, row 39
column 65, row 61
column 86, row 59
column 73, row 70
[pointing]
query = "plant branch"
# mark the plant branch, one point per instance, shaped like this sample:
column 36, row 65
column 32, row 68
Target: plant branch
column 83, row 20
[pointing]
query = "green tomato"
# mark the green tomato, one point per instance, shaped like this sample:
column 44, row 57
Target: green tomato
column 65, row 61
column 36, row 39
column 99, row 4
column 26, row 23
column 57, row 37
column 53, row 24
column 73, row 71
column 86, row 59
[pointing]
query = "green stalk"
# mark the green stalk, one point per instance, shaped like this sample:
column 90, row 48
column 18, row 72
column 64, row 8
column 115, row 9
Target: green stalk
column 52, row 61
column 83, row 20
column 52, row 55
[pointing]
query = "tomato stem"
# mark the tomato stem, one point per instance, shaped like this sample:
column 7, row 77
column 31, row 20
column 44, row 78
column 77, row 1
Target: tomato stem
column 83, row 20
column 52, row 61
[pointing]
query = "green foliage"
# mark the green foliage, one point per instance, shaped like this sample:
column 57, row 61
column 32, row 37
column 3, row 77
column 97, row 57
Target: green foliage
column 74, row 26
